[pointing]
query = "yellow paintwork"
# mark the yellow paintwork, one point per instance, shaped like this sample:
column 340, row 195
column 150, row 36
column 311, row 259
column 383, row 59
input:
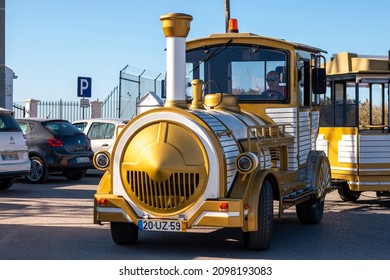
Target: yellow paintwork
column 346, row 63
column 333, row 135
column 160, row 150
column 233, row 217
column 360, row 177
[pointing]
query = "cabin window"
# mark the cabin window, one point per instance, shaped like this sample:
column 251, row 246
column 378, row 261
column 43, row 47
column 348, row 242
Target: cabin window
column 338, row 108
column 373, row 106
column 345, row 104
column 252, row 73
column 350, row 104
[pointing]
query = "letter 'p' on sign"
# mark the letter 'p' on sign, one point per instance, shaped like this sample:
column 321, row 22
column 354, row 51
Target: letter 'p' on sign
column 84, row 87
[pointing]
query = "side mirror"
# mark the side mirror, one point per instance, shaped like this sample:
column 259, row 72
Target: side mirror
column 318, row 76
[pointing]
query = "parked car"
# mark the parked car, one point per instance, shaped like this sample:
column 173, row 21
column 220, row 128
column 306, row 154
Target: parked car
column 101, row 132
column 14, row 160
column 56, row 146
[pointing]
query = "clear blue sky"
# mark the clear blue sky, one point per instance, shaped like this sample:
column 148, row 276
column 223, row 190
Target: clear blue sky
column 49, row 43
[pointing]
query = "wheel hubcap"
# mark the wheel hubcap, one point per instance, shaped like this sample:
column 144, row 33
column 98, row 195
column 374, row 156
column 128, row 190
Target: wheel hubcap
column 36, row 171
column 324, row 179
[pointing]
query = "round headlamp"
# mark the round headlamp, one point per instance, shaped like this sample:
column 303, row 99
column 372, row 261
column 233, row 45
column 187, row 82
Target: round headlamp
column 246, row 162
column 101, row 160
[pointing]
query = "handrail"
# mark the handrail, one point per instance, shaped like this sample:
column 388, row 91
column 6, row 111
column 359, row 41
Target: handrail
column 270, row 135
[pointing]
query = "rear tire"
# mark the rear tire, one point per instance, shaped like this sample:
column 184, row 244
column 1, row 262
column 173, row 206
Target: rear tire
column 6, row 183
column 346, row 194
column 124, row 233
column 310, row 211
column 38, row 172
column 318, row 178
column 261, row 239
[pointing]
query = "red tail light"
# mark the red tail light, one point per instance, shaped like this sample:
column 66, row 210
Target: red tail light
column 55, row 142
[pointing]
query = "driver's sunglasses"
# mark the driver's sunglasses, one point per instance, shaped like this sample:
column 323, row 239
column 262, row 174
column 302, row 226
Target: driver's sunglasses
column 272, row 79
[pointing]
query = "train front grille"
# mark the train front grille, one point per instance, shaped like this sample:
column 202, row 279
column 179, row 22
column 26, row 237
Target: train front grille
column 171, row 194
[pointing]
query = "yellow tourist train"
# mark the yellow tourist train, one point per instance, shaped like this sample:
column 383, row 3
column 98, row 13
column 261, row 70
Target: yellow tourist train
column 354, row 124
column 222, row 151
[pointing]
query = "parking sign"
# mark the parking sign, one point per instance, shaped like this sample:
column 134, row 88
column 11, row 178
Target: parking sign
column 84, row 87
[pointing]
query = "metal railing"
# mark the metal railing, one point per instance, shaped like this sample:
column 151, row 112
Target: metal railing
column 121, row 102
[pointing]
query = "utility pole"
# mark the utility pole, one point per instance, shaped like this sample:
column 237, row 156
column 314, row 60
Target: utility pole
column 2, row 53
column 227, row 14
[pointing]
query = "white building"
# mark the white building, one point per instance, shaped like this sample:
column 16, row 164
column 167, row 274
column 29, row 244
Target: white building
column 9, row 84
column 148, row 101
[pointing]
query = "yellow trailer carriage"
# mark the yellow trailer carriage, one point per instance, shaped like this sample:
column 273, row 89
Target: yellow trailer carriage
column 354, row 124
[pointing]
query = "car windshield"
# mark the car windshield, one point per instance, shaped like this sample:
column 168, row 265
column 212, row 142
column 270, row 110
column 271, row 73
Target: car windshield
column 61, row 128
column 8, row 123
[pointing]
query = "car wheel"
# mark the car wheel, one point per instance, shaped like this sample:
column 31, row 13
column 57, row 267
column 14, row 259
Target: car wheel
column 75, row 175
column 38, row 172
column 6, row 183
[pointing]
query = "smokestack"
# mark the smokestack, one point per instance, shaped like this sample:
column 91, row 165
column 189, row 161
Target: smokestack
column 176, row 27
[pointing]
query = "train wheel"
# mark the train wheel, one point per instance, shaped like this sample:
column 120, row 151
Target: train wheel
column 124, row 233
column 319, row 178
column 310, row 211
column 346, row 194
column 261, row 239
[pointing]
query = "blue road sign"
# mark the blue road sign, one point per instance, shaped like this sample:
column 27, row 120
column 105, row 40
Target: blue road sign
column 84, row 87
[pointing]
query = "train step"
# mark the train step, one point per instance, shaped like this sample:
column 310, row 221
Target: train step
column 297, row 197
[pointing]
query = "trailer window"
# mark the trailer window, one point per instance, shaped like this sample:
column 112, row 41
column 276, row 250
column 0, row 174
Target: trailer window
column 327, row 107
column 373, row 106
column 339, row 108
column 345, row 110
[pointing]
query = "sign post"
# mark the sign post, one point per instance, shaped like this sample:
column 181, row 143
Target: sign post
column 84, row 89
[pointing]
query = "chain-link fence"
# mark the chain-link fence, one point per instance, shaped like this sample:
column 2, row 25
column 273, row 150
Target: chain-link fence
column 133, row 84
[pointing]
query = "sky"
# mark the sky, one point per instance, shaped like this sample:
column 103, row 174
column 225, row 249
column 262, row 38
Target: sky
column 49, row 43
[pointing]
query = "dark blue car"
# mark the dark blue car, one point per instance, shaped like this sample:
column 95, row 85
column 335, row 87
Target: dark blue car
column 56, row 146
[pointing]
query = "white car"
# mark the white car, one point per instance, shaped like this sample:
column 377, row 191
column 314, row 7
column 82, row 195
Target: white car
column 14, row 159
column 101, row 132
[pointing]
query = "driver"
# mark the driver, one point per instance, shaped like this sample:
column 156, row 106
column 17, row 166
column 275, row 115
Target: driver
column 274, row 91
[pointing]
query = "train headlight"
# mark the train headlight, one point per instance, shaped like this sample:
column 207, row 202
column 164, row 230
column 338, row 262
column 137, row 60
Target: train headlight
column 246, row 162
column 101, row 160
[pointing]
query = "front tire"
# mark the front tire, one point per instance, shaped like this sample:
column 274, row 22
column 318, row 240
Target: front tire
column 38, row 172
column 261, row 239
column 124, row 233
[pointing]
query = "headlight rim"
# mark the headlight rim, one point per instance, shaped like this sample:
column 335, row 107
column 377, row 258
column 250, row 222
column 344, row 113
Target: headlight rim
column 95, row 160
column 247, row 155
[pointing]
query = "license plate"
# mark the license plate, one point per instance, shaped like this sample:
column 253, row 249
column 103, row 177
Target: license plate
column 9, row 156
column 161, row 225
column 82, row 159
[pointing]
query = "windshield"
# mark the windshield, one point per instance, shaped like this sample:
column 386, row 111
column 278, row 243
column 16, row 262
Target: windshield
column 250, row 72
